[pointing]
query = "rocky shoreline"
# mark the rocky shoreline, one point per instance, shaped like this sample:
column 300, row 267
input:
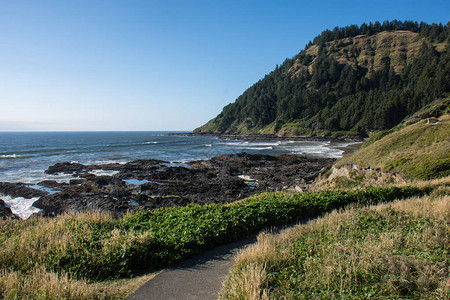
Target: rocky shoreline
column 150, row 184
column 271, row 137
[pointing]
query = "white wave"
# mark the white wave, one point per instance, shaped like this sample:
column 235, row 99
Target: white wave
column 345, row 144
column 286, row 142
column 314, row 149
column 304, row 149
column 320, row 152
column 237, row 143
column 149, row 143
column 13, row 156
column 104, row 172
column 259, row 148
column 20, row 206
column 252, row 144
column 34, row 176
column 106, row 162
column 60, row 178
column 265, row 144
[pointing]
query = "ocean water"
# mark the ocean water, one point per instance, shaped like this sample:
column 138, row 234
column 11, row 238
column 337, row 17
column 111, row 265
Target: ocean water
column 24, row 156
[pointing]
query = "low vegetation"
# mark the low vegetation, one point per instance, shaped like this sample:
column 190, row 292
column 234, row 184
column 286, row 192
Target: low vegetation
column 397, row 250
column 72, row 250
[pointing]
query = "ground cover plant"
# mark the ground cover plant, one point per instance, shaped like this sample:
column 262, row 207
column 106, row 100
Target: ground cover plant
column 398, row 250
column 95, row 246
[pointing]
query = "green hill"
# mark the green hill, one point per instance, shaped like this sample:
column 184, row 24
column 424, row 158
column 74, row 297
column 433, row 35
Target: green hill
column 350, row 80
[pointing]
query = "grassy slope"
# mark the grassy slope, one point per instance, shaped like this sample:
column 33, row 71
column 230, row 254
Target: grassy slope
column 390, row 251
column 420, row 150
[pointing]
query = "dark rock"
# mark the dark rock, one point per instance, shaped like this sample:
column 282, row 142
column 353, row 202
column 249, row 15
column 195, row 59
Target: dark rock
column 143, row 164
column 66, row 168
column 64, row 202
column 109, row 167
column 102, row 181
column 20, row 190
column 5, row 211
column 218, row 180
column 76, row 181
column 51, row 184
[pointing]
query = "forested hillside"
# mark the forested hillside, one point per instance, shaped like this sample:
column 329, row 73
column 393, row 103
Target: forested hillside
column 350, row 80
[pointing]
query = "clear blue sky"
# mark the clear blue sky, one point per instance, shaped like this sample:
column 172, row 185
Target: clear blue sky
column 157, row 65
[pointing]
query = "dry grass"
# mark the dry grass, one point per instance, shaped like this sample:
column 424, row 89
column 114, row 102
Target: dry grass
column 326, row 183
column 440, row 184
column 392, row 250
column 29, row 245
column 41, row 284
column 250, row 284
column 35, row 239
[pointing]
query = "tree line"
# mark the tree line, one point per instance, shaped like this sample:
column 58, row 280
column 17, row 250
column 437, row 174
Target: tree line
column 435, row 32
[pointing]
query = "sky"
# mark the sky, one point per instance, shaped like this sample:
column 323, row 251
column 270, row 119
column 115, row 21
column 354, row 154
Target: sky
column 157, row 65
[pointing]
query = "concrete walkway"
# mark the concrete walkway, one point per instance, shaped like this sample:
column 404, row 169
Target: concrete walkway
column 200, row 277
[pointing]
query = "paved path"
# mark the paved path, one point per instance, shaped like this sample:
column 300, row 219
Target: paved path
column 200, row 277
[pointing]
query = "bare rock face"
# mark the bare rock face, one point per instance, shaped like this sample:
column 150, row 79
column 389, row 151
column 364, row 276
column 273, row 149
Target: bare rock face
column 150, row 184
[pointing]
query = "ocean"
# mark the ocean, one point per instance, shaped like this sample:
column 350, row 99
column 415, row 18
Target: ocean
column 24, row 156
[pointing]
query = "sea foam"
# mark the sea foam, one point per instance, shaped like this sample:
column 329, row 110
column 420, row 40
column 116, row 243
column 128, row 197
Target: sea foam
column 104, row 172
column 20, row 206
